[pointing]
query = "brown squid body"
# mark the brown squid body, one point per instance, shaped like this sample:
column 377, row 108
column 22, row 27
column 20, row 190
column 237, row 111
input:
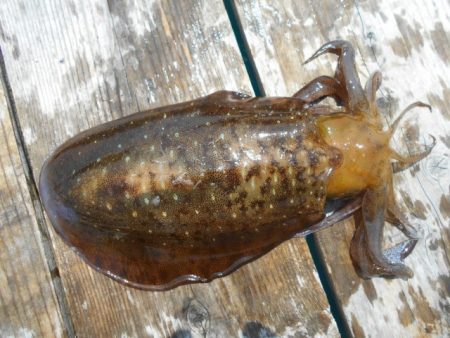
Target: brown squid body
column 190, row 192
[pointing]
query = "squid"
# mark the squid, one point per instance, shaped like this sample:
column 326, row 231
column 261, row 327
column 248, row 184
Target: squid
column 190, row 192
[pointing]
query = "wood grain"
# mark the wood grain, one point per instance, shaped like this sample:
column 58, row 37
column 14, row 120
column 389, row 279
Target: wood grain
column 28, row 305
column 409, row 43
column 77, row 64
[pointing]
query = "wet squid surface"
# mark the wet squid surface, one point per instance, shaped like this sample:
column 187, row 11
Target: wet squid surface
column 189, row 192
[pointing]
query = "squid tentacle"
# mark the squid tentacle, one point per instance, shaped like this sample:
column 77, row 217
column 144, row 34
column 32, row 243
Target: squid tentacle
column 320, row 88
column 372, row 85
column 413, row 105
column 404, row 163
column 366, row 246
column 346, row 73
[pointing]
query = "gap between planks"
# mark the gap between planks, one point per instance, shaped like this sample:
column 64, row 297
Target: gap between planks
column 312, row 241
column 34, row 196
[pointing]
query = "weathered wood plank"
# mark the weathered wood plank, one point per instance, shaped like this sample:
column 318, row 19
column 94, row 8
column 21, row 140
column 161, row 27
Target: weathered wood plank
column 28, row 305
column 409, row 43
column 77, row 64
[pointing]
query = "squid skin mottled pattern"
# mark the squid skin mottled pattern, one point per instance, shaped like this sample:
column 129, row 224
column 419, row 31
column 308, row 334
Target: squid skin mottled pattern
column 189, row 192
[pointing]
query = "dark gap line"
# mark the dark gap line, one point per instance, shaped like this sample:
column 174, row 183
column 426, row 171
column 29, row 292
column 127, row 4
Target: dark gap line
column 34, row 195
column 244, row 47
column 327, row 285
column 313, row 245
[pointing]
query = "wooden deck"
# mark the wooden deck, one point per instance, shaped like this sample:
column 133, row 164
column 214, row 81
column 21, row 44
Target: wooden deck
column 75, row 64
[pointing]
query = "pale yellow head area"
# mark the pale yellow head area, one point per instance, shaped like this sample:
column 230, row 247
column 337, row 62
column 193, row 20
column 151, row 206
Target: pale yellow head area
column 365, row 149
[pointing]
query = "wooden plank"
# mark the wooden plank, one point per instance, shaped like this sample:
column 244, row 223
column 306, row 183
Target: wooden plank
column 77, row 64
column 409, row 43
column 28, row 304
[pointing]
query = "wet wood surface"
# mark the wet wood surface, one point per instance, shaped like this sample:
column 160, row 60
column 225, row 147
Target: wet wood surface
column 28, row 304
column 409, row 43
column 75, row 64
